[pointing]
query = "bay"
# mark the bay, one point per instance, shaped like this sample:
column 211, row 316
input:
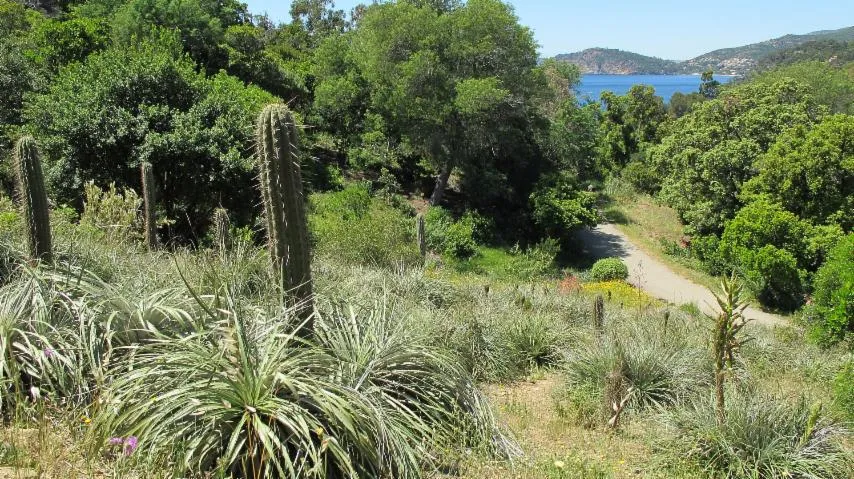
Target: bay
column 592, row 86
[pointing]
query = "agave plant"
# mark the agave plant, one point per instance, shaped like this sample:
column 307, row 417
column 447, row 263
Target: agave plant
column 249, row 399
column 760, row 437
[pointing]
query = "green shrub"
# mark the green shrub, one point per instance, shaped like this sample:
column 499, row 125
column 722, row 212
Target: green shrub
column 535, row 342
column 760, row 438
column 705, row 249
column 559, row 207
column 456, row 238
column 534, row 262
column 642, row 176
column 843, row 391
column 609, row 269
column 353, row 226
column 459, row 240
column 833, row 295
column 769, row 247
column 114, row 215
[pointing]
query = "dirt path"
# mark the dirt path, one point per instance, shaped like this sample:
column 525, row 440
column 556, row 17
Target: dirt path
column 654, row 277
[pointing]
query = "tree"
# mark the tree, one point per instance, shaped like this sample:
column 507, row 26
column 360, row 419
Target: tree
column 453, row 84
column 146, row 103
column 706, row 156
column 681, row 104
column 629, row 121
column 833, row 310
column 709, row 87
column 810, row 171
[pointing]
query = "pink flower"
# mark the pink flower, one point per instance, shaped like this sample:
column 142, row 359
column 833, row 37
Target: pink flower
column 130, row 445
column 116, row 441
column 48, row 353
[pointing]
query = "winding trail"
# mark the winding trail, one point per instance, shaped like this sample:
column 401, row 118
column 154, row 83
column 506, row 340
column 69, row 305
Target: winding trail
column 654, row 277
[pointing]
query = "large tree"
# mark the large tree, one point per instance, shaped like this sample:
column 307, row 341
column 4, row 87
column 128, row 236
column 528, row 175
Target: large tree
column 454, row 83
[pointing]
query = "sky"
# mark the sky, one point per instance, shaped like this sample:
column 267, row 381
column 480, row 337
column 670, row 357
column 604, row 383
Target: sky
column 675, row 30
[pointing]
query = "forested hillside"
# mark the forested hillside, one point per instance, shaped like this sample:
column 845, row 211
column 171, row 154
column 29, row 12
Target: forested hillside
column 351, row 245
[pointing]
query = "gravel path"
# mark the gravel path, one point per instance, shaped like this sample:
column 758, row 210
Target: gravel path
column 654, row 277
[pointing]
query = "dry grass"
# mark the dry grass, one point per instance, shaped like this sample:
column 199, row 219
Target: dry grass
column 557, row 448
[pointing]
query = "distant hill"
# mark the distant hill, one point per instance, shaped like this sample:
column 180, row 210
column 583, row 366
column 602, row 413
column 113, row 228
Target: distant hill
column 732, row 61
column 829, row 51
column 611, row 61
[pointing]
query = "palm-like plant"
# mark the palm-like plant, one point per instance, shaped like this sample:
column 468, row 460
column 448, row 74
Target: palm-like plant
column 726, row 341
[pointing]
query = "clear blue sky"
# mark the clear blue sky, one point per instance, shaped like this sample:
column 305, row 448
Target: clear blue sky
column 669, row 29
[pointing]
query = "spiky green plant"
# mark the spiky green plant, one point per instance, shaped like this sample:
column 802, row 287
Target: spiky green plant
column 284, row 206
column 726, row 341
column 221, row 229
column 148, row 202
column 247, row 398
column 33, row 197
column 760, row 437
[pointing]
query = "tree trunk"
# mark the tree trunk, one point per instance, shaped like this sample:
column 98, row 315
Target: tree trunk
column 441, row 184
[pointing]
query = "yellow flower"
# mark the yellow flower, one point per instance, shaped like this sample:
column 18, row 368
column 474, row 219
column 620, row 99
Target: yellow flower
column 85, row 420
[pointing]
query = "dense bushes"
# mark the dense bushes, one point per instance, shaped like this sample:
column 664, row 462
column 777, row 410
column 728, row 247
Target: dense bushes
column 146, row 103
column 559, row 207
column 457, row 238
column 356, row 227
column 609, row 269
column 833, row 310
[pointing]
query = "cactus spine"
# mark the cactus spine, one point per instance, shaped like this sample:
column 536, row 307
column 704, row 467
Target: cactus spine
column 422, row 240
column 284, row 206
column 31, row 191
column 222, row 229
column 148, row 200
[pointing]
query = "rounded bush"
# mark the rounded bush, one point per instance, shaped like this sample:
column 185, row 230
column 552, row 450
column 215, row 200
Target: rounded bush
column 609, row 269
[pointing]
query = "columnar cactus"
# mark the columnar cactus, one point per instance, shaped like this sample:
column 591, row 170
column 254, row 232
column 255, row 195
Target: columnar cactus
column 599, row 314
column 148, row 200
column 422, row 240
column 222, row 229
column 31, row 191
column 284, row 205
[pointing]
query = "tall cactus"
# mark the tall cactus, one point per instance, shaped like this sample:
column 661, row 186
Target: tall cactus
column 420, row 236
column 222, row 229
column 31, row 191
column 148, row 201
column 599, row 315
column 281, row 188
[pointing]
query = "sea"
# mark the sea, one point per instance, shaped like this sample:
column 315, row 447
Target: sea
column 665, row 86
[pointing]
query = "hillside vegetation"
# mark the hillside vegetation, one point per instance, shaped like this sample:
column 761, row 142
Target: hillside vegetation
column 726, row 61
column 345, row 247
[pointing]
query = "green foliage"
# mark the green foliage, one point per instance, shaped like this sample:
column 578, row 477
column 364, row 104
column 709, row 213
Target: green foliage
column 833, row 297
column 277, row 143
column 768, row 246
column 145, row 103
column 681, row 104
column 559, row 207
column 843, row 390
column 707, row 155
column 56, row 43
column 810, row 172
column 760, row 437
column 112, row 213
column 641, row 175
column 357, row 228
column 459, row 240
column 33, row 198
column 830, row 85
column 628, row 122
column 609, row 269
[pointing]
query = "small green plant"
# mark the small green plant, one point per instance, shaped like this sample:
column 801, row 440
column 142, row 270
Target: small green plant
column 843, row 390
column 609, row 269
column 276, row 140
column 33, row 198
column 459, row 240
column 420, row 235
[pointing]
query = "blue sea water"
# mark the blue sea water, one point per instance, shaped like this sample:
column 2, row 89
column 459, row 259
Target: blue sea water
column 665, row 85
